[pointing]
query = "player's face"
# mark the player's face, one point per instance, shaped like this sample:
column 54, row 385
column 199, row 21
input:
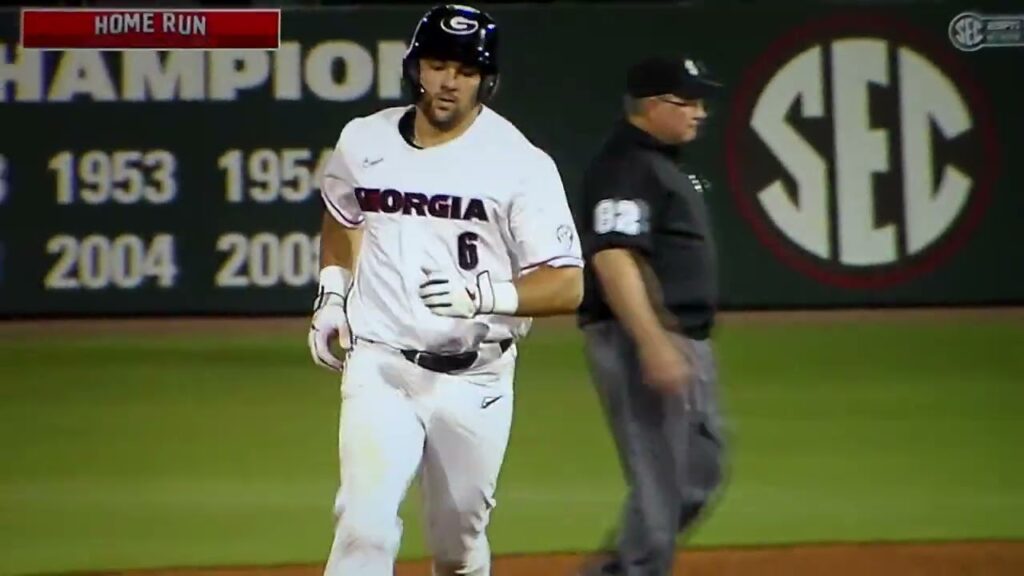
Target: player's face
column 451, row 90
column 678, row 119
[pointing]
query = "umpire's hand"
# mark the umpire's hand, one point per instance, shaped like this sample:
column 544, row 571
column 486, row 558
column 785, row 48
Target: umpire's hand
column 664, row 365
column 329, row 322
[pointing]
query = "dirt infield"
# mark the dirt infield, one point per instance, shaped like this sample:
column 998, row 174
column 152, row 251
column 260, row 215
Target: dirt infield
column 916, row 559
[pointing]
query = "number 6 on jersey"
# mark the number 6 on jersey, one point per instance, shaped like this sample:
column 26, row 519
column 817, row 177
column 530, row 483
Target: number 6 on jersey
column 468, row 257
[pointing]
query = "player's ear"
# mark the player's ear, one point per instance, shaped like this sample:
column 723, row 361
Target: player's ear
column 411, row 78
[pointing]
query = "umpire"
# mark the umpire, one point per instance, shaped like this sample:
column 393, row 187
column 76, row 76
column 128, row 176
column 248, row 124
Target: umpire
column 649, row 309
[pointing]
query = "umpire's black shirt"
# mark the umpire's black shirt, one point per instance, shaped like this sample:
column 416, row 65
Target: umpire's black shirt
column 636, row 195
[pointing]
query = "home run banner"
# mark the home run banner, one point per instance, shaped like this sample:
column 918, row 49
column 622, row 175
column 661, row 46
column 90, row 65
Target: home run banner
column 859, row 157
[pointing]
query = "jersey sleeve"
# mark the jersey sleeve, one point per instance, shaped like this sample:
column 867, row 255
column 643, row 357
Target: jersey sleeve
column 338, row 186
column 618, row 209
column 541, row 222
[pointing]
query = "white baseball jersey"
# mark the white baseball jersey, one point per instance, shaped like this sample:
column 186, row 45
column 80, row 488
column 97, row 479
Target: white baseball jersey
column 487, row 200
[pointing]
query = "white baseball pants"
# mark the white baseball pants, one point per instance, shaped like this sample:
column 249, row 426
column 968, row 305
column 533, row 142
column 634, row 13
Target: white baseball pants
column 397, row 420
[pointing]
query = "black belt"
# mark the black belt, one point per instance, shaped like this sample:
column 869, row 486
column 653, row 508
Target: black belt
column 699, row 332
column 695, row 322
column 448, row 362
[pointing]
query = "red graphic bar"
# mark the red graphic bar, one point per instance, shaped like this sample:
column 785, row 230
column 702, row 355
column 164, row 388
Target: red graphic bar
column 112, row 29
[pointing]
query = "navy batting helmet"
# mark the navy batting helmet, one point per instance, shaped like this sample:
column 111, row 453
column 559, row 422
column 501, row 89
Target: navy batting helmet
column 459, row 33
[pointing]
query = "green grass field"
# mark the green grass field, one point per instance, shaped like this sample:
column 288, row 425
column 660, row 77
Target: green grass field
column 219, row 448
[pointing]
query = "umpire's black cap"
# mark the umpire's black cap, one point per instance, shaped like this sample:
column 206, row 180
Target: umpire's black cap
column 682, row 76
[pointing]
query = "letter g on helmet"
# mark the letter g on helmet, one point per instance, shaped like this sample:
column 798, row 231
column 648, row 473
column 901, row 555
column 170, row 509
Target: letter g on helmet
column 459, row 25
column 454, row 32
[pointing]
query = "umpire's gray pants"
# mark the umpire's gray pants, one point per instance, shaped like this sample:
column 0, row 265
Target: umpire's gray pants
column 670, row 446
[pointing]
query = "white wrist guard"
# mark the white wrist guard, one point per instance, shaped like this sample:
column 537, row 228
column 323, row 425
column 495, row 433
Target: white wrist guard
column 506, row 298
column 497, row 297
column 335, row 282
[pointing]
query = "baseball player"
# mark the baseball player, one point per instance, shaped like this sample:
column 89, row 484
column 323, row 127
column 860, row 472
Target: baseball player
column 445, row 231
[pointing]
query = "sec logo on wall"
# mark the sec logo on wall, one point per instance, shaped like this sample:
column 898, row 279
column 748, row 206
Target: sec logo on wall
column 861, row 151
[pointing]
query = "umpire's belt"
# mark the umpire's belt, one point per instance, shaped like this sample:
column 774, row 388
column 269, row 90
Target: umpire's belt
column 448, row 362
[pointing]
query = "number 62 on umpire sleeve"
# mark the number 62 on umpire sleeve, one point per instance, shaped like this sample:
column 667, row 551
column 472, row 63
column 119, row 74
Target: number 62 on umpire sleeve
column 627, row 217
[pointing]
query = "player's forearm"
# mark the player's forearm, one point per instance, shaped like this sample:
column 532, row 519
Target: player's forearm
column 550, row 291
column 626, row 294
column 339, row 246
column 339, row 251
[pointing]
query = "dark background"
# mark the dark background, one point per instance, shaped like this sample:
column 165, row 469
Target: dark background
column 562, row 69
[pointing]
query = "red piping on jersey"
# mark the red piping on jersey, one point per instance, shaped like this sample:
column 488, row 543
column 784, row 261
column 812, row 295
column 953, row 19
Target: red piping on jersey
column 575, row 261
column 349, row 221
